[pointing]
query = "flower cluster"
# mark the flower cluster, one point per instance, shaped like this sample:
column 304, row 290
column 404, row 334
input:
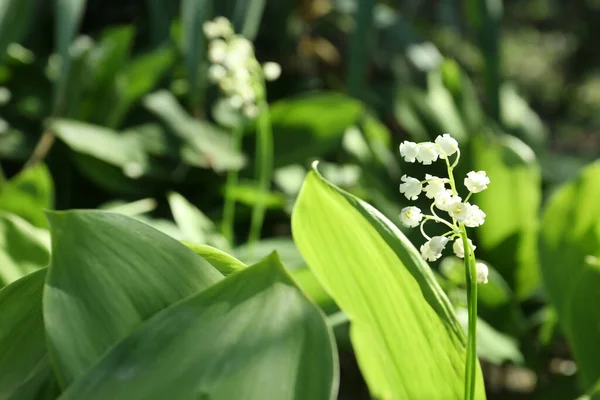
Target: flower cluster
column 444, row 195
column 234, row 67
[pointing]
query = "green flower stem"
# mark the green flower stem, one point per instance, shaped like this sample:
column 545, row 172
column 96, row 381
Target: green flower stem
column 264, row 163
column 230, row 184
column 471, row 278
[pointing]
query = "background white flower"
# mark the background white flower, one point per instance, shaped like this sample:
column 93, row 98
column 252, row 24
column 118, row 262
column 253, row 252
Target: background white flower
column 459, row 249
column 271, row 71
column 477, row 181
column 411, row 188
column 409, row 151
column 411, row 216
column 482, row 273
column 448, row 144
column 427, row 153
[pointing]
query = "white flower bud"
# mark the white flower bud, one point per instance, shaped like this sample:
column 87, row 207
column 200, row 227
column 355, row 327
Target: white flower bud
column 448, row 144
column 434, row 186
column 211, row 30
column 482, row 272
column 411, row 188
column 459, row 249
column 477, row 181
column 271, row 71
column 411, row 216
column 409, row 151
column 427, row 153
column 223, row 26
column 251, row 111
column 217, row 51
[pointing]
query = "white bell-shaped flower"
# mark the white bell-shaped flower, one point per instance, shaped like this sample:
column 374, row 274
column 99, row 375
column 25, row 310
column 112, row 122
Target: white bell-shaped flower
column 434, row 186
column 482, row 272
column 411, row 187
column 427, row 153
column 444, row 198
column 459, row 248
column 411, row 216
column 448, row 144
column 409, row 150
column 459, row 210
column 432, row 249
column 477, row 181
column 476, row 217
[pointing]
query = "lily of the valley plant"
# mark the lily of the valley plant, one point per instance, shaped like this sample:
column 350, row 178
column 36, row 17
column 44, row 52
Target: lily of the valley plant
column 456, row 214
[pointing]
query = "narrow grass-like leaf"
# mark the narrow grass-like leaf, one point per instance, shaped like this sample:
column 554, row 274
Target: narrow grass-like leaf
column 193, row 45
column 407, row 339
column 108, row 274
column 252, row 336
column 15, row 16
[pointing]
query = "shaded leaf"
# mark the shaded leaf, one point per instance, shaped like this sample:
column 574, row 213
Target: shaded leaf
column 108, row 274
column 251, row 336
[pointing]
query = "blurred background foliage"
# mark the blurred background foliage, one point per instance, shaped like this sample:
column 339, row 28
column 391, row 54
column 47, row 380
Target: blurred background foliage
column 106, row 104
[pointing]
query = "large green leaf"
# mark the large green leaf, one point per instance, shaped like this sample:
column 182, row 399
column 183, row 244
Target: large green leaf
column 569, row 251
column 407, row 339
column 23, row 248
column 25, row 371
column 108, row 274
column 251, row 336
column 28, row 193
column 512, row 202
column 301, row 128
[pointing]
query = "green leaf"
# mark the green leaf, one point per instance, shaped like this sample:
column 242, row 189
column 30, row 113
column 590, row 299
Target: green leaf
column 251, row 336
column 512, row 203
column 407, row 339
column 23, row 248
column 284, row 246
column 569, row 251
column 15, row 17
column 101, row 143
column 207, row 145
column 196, row 226
column 245, row 15
column 108, row 274
column 222, row 261
column 68, row 17
column 28, row 193
column 302, row 130
column 193, row 44
column 25, row 371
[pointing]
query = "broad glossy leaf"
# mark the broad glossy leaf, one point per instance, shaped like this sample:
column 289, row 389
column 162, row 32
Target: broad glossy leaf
column 512, row 203
column 25, row 371
column 251, row 336
column 569, row 251
column 302, row 130
column 28, row 193
column 407, row 339
column 108, row 274
column 23, row 248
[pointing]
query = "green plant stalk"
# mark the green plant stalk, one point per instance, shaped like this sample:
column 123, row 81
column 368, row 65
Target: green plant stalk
column 264, row 163
column 471, row 278
column 232, row 181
